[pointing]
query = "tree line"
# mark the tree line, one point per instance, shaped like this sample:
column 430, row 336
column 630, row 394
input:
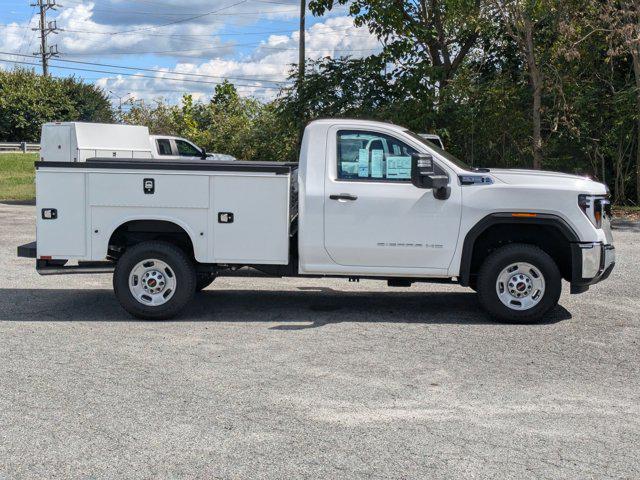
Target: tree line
column 507, row 83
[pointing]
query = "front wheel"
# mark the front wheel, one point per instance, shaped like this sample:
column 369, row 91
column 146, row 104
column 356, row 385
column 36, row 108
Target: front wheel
column 154, row 280
column 519, row 283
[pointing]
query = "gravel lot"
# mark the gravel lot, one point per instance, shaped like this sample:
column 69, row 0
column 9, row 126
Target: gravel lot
column 313, row 379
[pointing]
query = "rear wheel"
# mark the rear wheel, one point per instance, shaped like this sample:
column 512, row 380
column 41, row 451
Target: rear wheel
column 519, row 283
column 154, row 280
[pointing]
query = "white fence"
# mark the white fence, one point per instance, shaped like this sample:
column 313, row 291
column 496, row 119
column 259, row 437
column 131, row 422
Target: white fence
column 23, row 147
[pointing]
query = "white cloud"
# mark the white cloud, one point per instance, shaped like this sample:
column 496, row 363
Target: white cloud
column 272, row 60
column 196, row 46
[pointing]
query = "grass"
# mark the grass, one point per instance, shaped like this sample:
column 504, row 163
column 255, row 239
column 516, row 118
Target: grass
column 17, row 176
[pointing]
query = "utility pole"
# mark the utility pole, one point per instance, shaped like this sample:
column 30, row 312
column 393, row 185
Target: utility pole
column 45, row 29
column 301, row 58
column 120, row 102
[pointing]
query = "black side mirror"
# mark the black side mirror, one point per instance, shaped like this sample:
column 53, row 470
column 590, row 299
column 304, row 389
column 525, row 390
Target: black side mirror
column 423, row 176
column 203, row 154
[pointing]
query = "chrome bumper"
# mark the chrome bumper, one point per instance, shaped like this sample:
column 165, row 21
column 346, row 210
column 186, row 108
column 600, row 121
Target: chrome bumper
column 592, row 263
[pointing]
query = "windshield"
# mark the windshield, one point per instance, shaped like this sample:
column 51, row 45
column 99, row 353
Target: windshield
column 443, row 153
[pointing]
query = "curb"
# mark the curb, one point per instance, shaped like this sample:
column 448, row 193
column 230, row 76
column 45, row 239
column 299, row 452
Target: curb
column 625, row 225
column 17, row 202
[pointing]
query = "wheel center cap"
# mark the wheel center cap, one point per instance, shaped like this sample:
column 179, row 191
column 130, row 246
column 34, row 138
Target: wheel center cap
column 520, row 285
column 153, row 282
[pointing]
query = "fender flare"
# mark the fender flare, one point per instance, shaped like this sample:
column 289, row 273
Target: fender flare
column 505, row 218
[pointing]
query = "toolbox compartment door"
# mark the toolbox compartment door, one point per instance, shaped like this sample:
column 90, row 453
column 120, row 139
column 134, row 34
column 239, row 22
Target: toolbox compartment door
column 250, row 219
column 62, row 234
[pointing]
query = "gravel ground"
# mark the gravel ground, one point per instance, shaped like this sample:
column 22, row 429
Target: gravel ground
column 294, row 378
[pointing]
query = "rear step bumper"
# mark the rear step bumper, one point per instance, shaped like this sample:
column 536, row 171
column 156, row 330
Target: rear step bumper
column 59, row 267
column 28, row 250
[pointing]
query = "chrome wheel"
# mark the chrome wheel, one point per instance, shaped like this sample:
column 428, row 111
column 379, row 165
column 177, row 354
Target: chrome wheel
column 520, row 286
column 152, row 282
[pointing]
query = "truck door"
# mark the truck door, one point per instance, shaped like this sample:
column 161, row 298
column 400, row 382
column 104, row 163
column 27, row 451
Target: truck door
column 374, row 216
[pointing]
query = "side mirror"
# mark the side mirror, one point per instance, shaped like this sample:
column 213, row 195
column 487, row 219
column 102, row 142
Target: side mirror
column 203, row 154
column 423, row 176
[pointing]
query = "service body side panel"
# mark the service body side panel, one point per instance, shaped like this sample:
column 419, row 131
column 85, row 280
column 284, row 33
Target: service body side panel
column 119, row 197
column 93, row 202
column 258, row 231
column 63, row 237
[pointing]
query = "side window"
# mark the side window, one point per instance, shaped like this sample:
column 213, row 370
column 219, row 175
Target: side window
column 371, row 155
column 164, row 146
column 185, row 149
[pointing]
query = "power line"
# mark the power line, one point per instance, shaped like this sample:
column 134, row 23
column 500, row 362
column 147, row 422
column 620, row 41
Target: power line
column 33, row 10
column 175, row 14
column 182, row 20
column 137, row 75
column 254, row 79
column 206, row 35
column 184, row 51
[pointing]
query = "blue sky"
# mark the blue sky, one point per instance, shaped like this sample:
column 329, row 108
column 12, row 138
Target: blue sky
column 251, row 42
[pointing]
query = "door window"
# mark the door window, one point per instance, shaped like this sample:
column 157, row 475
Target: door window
column 186, row 149
column 164, row 146
column 373, row 156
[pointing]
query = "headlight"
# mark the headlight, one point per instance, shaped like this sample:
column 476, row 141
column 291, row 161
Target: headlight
column 595, row 207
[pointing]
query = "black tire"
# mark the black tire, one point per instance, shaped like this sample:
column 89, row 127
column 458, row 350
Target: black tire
column 203, row 281
column 181, row 266
column 501, row 259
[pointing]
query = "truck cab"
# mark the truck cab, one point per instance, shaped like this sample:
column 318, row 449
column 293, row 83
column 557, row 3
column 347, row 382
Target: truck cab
column 366, row 200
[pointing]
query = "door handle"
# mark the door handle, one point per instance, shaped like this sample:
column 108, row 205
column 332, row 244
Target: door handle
column 343, row 196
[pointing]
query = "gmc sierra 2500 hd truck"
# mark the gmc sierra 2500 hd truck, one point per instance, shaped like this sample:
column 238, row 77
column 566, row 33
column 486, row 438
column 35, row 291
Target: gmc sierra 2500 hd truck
column 366, row 200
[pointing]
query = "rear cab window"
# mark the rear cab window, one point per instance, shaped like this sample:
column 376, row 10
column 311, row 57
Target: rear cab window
column 164, row 146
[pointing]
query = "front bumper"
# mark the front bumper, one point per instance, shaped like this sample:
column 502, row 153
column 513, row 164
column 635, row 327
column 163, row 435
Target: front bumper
column 592, row 263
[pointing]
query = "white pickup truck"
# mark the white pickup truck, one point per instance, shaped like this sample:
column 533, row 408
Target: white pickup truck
column 78, row 141
column 366, row 200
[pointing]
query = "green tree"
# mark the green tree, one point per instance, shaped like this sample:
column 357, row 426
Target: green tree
column 432, row 37
column 27, row 100
column 243, row 127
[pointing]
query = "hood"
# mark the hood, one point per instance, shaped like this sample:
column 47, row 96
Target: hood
column 548, row 179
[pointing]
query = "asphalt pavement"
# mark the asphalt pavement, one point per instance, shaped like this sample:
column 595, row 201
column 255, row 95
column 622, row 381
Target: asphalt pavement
column 311, row 378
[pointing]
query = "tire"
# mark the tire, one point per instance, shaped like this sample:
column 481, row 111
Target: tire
column 521, row 295
column 203, row 281
column 154, row 280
